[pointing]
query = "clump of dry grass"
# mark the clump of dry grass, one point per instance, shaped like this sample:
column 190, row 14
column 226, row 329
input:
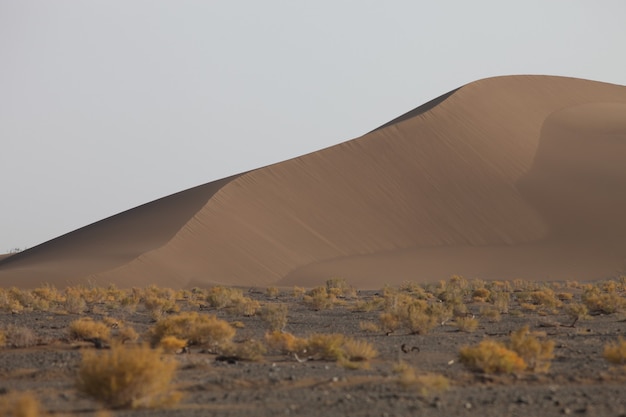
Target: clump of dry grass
column 247, row 350
column 604, row 298
column 369, row 326
column 285, row 343
column 272, row 292
column 20, row 404
column 490, row 356
column 524, row 351
column 466, row 324
column 615, row 352
column 198, row 329
column 348, row 352
column 528, row 345
column 275, row 315
column 232, row 300
column 18, row 336
column 127, row 377
column 356, row 354
column 340, row 288
column 172, row 344
column 425, row 384
column 88, row 329
column 74, row 302
column 320, row 299
column 416, row 314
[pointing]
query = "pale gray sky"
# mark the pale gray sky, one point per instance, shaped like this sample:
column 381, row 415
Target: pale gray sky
column 105, row 105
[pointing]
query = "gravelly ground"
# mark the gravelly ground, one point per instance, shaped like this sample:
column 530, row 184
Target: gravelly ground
column 579, row 382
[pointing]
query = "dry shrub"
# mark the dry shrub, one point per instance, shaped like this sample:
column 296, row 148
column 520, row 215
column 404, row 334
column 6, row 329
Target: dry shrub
column 481, row 294
column 603, row 302
column 272, row 292
column 577, row 312
column 368, row 326
column 466, row 324
column 418, row 318
column 275, row 315
column 501, row 300
column 127, row 377
column 491, row 313
column 425, row 384
column 536, row 353
column 222, row 297
column 298, row 292
column 74, row 302
column 159, row 306
column 357, row 353
column 565, row 296
column 20, row 404
column 285, row 343
column 233, row 300
column 172, row 344
column 525, row 350
column 325, row 346
column 615, row 352
column 490, row 356
column 320, row 299
column 245, row 307
column 340, row 288
column 86, row 329
column 348, row 352
column 416, row 314
column 3, row 338
column 389, row 322
column 248, row 350
column 19, row 336
column 126, row 334
column 546, row 299
column 198, row 329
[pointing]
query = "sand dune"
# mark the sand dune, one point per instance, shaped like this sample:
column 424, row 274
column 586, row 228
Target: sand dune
column 508, row 177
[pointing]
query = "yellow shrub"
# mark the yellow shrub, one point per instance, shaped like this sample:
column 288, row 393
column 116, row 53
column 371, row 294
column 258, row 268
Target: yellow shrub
column 285, row 342
column 86, row 328
column 466, row 324
column 248, row 350
column 272, row 292
column 320, row 299
column 275, row 315
column 172, row 344
column 198, row 329
column 358, row 350
column 615, row 352
column 389, row 322
column 368, row 326
column 325, row 346
column 20, row 404
column 425, row 384
column 222, row 297
column 126, row 334
column 127, row 377
column 536, row 353
column 491, row 357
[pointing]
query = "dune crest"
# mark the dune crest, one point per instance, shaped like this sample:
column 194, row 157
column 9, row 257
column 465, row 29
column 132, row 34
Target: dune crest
column 506, row 177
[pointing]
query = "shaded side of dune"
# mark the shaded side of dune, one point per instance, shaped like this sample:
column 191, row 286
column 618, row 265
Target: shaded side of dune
column 420, row 198
column 107, row 244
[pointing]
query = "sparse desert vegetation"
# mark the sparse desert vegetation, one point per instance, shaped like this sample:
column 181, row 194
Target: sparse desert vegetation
column 153, row 347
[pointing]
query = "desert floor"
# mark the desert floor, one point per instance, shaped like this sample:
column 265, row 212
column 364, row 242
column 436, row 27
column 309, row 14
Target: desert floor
column 579, row 381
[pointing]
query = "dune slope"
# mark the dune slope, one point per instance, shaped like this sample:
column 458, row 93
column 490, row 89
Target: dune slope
column 505, row 177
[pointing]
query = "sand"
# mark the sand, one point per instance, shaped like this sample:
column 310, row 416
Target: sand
column 507, row 177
